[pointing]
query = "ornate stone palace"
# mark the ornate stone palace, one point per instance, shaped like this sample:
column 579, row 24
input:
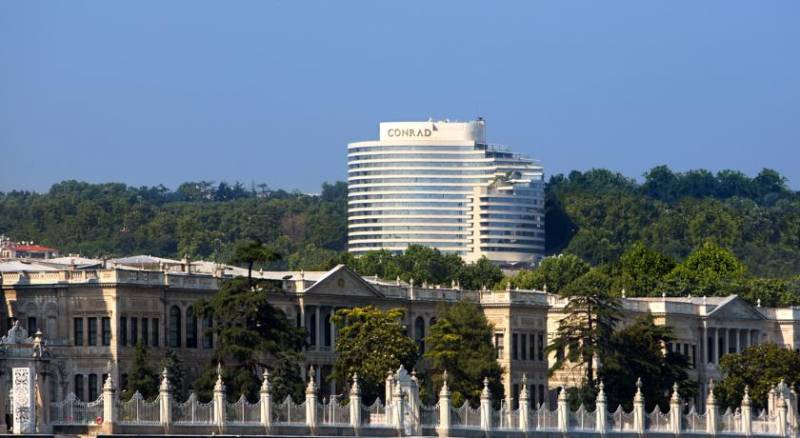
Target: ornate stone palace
column 90, row 314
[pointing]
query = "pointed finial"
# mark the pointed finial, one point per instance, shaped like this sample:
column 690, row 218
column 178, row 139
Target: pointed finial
column 397, row 282
column 639, row 384
column 524, row 382
column 219, row 368
column 758, row 302
column 486, row 393
column 544, row 288
column 664, row 295
column 164, row 380
column 312, row 381
column 108, row 384
column 414, row 375
column 711, row 399
column 638, row 397
column 675, row 395
column 266, row 386
column 623, row 292
column 601, row 392
column 445, row 391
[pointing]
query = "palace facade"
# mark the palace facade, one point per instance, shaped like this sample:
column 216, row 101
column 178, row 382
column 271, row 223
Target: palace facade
column 92, row 315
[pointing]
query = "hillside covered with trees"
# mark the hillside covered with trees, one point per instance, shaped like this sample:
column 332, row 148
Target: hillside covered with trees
column 638, row 234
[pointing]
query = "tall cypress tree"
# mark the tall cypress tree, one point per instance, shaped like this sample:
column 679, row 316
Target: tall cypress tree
column 141, row 377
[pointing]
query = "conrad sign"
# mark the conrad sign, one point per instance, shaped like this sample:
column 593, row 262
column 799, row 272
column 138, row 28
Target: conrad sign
column 409, row 132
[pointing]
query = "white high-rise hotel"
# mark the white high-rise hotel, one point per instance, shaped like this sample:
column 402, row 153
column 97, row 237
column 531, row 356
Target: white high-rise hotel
column 440, row 184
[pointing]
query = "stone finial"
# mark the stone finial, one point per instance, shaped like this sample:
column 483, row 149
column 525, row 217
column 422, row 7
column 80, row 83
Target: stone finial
column 638, row 396
column 219, row 386
column 675, row 395
column 711, row 399
column 508, row 286
column 266, row 385
column 445, row 391
column 562, row 395
column 601, row 391
column 746, row 396
column 623, row 292
column 164, row 380
column 414, row 375
column 108, row 385
column 312, row 381
column 219, row 368
column 486, row 393
column 705, row 300
column 524, row 381
column 453, row 284
column 397, row 281
column 758, row 302
column 663, row 295
column 355, row 389
column 411, row 282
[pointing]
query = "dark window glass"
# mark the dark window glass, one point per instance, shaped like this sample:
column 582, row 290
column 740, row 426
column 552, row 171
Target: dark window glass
column 123, row 381
column 191, row 328
column 145, row 332
column 92, row 387
column 92, row 338
column 78, row 331
column 78, row 389
column 326, row 331
column 174, row 330
column 32, row 325
column 523, row 338
column 532, row 347
column 106, row 331
column 515, row 392
column 122, row 331
column 498, row 345
column 514, row 347
column 312, row 329
column 208, row 335
column 419, row 333
column 155, row 332
column 540, row 344
column 134, row 331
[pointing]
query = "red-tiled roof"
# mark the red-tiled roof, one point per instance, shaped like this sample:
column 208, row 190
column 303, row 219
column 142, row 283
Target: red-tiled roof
column 33, row 248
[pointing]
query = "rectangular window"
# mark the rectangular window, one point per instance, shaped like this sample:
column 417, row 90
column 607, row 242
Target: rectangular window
column 145, row 332
column 208, row 335
column 327, row 330
column 106, row 331
column 694, row 356
column 78, row 388
column 498, row 345
column 532, row 346
column 523, row 339
column 78, row 330
column 92, row 338
column 134, row 331
column 32, row 325
column 122, row 331
column 514, row 347
column 92, row 387
column 154, row 333
column 515, row 392
column 540, row 351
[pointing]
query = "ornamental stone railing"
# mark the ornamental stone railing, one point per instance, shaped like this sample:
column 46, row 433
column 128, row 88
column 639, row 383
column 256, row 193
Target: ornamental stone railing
column 403, row 414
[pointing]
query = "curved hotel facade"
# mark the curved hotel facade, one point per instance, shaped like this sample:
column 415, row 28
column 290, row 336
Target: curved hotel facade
column 440, row 184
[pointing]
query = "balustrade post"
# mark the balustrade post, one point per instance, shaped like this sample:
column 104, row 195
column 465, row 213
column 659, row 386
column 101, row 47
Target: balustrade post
column 781, row 417
column 486, row 406
column 601, row 408
column 355, row 404
column 266, row 401
column 562, row 410
column 165, row 401
column 387, row 396
column 675, row 410
column 638, row 408
column 219, row 401
column 524, row 405
column 399, row 412
column 711, row 411
column 311, row 401
column 414, row 404
column 444, row 408
column 109, row 406
column 747, row 413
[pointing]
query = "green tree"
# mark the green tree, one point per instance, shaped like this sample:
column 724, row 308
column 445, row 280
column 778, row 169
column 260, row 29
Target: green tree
column 460, row 342
column 371, row 342
column 554, row 272
column 760, row 367
column 482, row 273
column 642, row 270
column 591, row 314
column 252, row 335
column 176, row 373
column 251, row 252
column 141, row 377
column 636, row 351
column 709, row 270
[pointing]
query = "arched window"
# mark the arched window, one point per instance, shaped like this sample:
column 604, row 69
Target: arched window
column 208, row 336
column 419, row 333
column 191, row 328
column 174, row 330
column 78, row 389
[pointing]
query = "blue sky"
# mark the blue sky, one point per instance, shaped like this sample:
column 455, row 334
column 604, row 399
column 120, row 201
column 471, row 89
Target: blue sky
column 153, row 92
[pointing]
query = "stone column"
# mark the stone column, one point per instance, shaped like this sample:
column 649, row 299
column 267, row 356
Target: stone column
column 675, row 411
column 444, row 408
column 165, row 398
column 387, row 395
column 704, row 354
column 711, row 411
column 398, row 408
column 266, row 401
column 355, row 404
column 311, row 399
column 219, row 401
column 318, row 344
column 747, row 413
column 738, row 341
column 638, row 409
column 486, row 406
column 109, row 407
column 524, row 405
column 24, row 406
column 601, row 409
